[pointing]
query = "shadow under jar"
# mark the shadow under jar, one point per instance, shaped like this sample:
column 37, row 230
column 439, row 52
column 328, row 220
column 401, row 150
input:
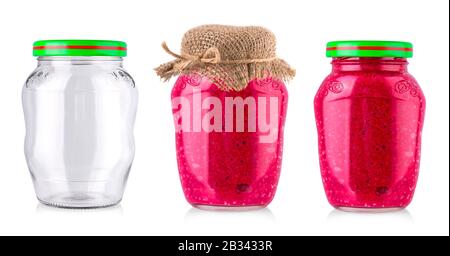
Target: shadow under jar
column 369, row 115
column 80, row 106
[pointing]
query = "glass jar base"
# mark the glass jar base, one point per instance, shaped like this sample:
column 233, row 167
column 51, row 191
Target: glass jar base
column 228, row 208
column 369, row 210
column 78, row 201
column 79, row 194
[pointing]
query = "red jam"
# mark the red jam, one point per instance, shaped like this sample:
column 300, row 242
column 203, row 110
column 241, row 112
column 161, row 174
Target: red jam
column 229, row 143
column 369, row 115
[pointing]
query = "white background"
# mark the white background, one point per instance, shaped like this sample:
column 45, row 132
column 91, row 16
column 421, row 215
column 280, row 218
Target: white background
column 153, row 203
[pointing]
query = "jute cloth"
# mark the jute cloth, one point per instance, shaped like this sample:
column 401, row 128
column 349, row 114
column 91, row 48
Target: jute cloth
column 229, row 56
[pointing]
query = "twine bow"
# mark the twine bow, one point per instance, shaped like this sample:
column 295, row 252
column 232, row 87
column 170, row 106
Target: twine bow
column 211, row 56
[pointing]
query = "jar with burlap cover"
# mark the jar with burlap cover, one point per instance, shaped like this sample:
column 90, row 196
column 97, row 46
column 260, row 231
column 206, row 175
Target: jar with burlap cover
column 229, row 56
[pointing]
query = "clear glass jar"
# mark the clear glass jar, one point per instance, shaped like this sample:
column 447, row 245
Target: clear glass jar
column 369, row 114
column 80, row 106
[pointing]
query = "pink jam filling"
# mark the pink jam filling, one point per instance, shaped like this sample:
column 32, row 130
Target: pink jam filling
column 233, row 159
column 369, row 115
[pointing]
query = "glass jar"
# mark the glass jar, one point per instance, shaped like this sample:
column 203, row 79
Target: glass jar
column 229, row 106
column 229, row 143
column 369, row 114
column 79, row 106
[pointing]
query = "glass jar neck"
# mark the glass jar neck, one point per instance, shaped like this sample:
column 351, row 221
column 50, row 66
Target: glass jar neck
column 388, row 64
column 79, row 60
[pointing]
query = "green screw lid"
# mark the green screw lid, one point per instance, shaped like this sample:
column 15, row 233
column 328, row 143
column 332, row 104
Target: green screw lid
column 79, row 48
column 369, row 49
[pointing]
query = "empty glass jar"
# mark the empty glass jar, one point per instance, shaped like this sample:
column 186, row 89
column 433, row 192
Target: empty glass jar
column 79, row 107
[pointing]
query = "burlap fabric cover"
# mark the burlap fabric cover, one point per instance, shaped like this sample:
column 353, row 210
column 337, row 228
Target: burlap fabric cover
column 228, row 56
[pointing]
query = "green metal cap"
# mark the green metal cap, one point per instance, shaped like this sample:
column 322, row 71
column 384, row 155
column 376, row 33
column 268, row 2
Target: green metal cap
column 369, row 49
column 79, row 48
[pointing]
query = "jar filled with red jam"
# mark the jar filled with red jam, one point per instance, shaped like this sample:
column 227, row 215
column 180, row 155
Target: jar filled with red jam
column 369, row 115
column 229, row 106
